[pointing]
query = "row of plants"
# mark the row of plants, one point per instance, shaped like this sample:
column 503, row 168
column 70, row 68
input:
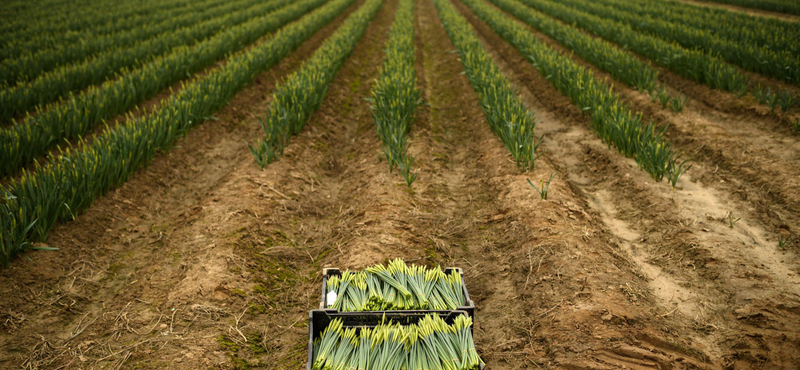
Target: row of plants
column 777, row 64
column 71, row 78
column 429, row 344
column 773, row 34
column 156, row 23
column 395, row 95
column 301, row 94
column 178, row 31
column 613, row 121
column 508, row 118
column 785, row 99
column 69, row 183
column 780, row 6
column 690, row 63
column 72, row 118
column 620, row 64
column 675, row 103
column 73, row 17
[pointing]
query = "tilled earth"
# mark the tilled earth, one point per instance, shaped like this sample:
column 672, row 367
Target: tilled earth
column 203, row 260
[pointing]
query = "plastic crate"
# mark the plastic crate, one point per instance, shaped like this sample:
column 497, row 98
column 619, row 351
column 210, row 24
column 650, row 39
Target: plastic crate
column 318, row 320
column 469, row 308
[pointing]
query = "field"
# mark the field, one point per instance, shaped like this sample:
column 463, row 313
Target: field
column 619, row 180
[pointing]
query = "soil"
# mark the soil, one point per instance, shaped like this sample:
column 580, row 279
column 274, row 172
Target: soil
column 203, row 260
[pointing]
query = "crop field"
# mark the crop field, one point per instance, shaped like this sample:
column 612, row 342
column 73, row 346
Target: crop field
column 618, row 180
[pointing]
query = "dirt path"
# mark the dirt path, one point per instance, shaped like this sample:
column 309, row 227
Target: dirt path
column 712, row 279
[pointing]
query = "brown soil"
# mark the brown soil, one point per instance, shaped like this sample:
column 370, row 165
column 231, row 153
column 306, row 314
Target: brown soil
column 204, row 261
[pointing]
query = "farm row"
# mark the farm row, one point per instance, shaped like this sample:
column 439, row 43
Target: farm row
column 87, row 117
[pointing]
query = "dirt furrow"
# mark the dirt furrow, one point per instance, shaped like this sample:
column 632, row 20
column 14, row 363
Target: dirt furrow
column 695, row 264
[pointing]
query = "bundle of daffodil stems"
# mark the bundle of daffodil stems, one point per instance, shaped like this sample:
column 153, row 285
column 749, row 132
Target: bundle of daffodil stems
column 430, row 344
column 396, row 286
